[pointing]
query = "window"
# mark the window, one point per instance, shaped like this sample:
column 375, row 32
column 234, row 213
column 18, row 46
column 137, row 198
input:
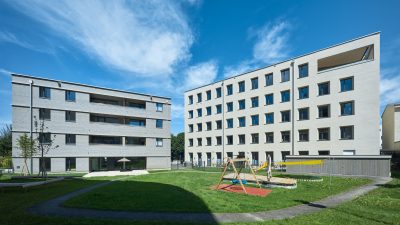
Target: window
column 242, row 139
column 303, row 153
column 324, row 111
column 304, row 114
column 229, row 123
column 346, row 58
column 208, row 94
column 135, row 141
column 159, row 142
column 44, row 92
column 285, row 75
column 159, row 123
column 70, row 116
column 70, row 96
column 44, row 114
column 269, row 137
column 303, row 92
column 199, row 142
column 218, row 92
column 208, row 126
column 190, row 114
column 137, row 122
column 219, row 140
column 285, row 96
column 190, row 99
column 303, row 135
column 323, row 152
column 285, row 116
column 229, row 106
column 254, row 120
column 285, row 136
column 269, row 79
column 270, row 154
column 229, row 89
column 254, row 83
column 255, row 138
column 242, row 121
column 229, row 140
column 199, row 97
column 139, row 105
column 208, row 110
column 242, row 104
column 323, row 134
column 346, row 84
column 70, row 164
column 324, row 88
column 191, row 142
column 219, row 124
column 347, row 108
column 199, row 127
column 109, row 119
column 349, row 152
column 269, row 118
column 347, row 132
column 160, row 107
column 269, row 99
column 242, row 87
column 190, row 128
column 208, row 141
column 219, row 108
column 108, row 140
column 70, row 139
column 303, row 70
column 199, row 113
column 254, row 102
column 44, row 138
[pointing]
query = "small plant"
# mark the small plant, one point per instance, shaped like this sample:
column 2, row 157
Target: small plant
column 27, row 147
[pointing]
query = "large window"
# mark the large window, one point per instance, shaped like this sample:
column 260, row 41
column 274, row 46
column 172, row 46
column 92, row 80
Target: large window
column 254, row 83
column 44, row 114
column 303, row 135
column 269, row 118
column 269, row 99
column 347, row 108
column 109, row 140
column 190, row 114
column 285, row 96
column 191, row 142
column 324, row 134
column 323, row 89
column 70, row 164
column 255, row 138
column 160, row 107
column 254, row 120
column 303, row 70
column 208, row 110
column 106, row 119
column 229, row 106
column 70, row 139
column 135, row 141
column 303, row 92
column 190, row 128
column 324, row 111
column 159, row 142
column 44, row 92
column 159, row 123
column 208, row 94
column 229, row 89
column 242, row 121
column 242, row 87
column 229, row 123
column 219, row 124
column 137, row 104
column 199, row 112
column 346, row 84
column 229, row 140
column 219, row 140
column 44, row 138
column 269, row 79
column 285, row 75
column 285, row 116
column 208, row 126
column 304, row 114
column 190, row 99
column 242, row 139
column 242, row 104
column 199, row 97
column 219, row 108
column 199, row 142
column 137, row 122
column 254, row 102
column 218, row 92
column 285, row 136
column 70, row 116
column 70, row 96
column 208, row 141
column 347, row 132
column 269, row 137
column 199, row 127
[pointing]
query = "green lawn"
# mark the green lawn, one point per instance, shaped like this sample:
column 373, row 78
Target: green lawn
column 190, row 192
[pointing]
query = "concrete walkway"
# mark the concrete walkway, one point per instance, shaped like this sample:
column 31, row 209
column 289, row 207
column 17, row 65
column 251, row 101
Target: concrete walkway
column 53, row 208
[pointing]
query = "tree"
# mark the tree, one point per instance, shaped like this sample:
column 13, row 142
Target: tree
column 27, row 147
column 177, row 146
column 6, row 141
column 45, row 142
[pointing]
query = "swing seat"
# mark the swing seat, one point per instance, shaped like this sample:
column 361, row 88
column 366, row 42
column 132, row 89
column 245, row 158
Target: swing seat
column 236, row 181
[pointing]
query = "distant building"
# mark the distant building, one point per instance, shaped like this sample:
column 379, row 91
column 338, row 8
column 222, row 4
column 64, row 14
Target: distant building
column 391, row 128
column 94, row 127
column 322, row 103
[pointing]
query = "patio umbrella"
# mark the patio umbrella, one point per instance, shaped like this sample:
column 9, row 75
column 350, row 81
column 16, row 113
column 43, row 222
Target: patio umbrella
column 123, row 160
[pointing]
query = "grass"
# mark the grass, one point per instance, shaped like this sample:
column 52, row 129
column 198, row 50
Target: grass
column 190, row 192
column 21, row 180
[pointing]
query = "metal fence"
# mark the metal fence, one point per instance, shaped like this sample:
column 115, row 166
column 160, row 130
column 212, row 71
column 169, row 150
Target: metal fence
column 343, row 165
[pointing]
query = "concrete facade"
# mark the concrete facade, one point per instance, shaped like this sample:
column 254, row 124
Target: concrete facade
column 128, row 119
column 356, row 131
column 391, row 128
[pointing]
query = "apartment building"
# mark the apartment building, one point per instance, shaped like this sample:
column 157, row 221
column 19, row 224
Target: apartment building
column 322, row 103
column 94, row 127
column 391, row 128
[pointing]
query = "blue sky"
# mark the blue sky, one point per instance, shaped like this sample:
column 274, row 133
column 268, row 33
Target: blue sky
column 166, row 47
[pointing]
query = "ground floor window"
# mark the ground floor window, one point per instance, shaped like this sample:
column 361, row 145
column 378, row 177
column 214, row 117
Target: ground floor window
column 208, row 158
column 111, row 163
column 219, row 158
column 270, row 154
column 229, row 154
column 323, row 152
column 47, row 163
column 254, row 158
column 70, row 164
column 349, row 152
column 284, row 154
column 303, row 153
column 191, row 157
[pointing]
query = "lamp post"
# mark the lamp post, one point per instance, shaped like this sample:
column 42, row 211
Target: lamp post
column 30, row 120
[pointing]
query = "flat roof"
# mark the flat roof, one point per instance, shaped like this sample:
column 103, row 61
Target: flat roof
column 86, row 85
column 290, row 59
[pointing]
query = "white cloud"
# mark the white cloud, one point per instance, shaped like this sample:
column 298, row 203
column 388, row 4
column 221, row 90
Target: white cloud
column 145, row 38
column 5, row 72
column 200, row 74
column 242, row 67
column 389, row 86
column 177, row 111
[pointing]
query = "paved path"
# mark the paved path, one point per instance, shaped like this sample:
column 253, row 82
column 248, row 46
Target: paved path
column 53, row 208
